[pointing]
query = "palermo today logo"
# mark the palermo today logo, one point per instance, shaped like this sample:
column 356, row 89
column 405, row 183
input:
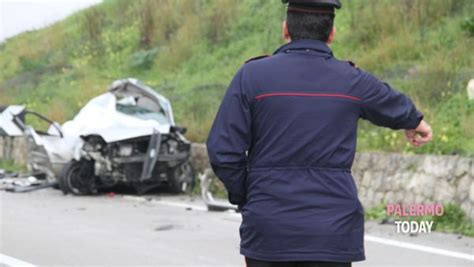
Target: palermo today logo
column 410, row 212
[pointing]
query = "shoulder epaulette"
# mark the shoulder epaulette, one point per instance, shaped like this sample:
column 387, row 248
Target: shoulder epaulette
column 256, row 58
column 352, row 64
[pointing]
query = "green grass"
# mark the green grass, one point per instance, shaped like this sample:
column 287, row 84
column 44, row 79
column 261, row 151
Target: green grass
column 190, row 50
column 10, row 166
column 453, row 220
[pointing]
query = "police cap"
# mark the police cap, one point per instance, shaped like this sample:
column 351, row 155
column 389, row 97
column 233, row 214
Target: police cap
column 315, row 3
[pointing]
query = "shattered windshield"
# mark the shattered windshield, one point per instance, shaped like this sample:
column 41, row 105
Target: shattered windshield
column 143, row 113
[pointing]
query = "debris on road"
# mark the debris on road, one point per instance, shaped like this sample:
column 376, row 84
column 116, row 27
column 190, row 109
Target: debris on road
column 7, row 183
column 15, row 184
column 207, row 179
column 26, row 188
column 164, row 227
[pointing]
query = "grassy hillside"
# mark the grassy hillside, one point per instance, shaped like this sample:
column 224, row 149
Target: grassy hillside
column 190, row 49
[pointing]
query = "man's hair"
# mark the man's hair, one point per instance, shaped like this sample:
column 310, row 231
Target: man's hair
column 309, row 25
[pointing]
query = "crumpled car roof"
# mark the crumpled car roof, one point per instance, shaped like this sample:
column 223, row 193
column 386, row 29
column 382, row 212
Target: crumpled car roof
column 101, row 117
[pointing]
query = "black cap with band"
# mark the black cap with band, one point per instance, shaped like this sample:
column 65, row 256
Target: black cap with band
column 313, row 6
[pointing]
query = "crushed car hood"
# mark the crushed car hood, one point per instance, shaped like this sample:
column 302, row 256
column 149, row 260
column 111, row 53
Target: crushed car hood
column 101, row 117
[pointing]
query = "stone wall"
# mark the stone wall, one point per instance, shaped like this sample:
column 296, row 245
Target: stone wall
column 199, row 157
column 402, row 178
column 13, row 148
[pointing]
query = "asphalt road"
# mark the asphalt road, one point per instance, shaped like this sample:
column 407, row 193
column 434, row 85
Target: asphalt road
column 48, row 229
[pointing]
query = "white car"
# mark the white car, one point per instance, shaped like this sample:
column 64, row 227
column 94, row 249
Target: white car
column 126, row 136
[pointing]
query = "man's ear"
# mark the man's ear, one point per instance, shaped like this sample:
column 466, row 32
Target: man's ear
column 284, row 31
column 331, row 35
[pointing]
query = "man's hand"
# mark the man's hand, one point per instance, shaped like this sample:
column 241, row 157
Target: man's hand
column 421, row 135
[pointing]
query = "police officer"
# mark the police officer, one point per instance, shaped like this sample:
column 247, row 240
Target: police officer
column 284, row 139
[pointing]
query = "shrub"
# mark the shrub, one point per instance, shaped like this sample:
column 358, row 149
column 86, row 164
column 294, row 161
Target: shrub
column 468, row 26
column 143, row 59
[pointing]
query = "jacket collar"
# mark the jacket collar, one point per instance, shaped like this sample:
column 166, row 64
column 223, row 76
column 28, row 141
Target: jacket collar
column 305, row 44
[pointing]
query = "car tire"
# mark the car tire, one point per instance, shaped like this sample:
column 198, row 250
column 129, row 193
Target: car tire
column 78, row 178
column 181, row 178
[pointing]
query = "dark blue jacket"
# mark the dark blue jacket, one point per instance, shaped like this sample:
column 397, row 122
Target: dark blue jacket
column 283, row 143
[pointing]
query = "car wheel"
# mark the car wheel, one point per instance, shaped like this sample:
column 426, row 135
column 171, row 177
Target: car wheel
column 78, row 178
column 181, row 178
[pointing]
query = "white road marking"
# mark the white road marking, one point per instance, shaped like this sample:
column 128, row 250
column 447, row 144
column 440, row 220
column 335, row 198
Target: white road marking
column 10, row 261
column 427, row 249
column 369, row 238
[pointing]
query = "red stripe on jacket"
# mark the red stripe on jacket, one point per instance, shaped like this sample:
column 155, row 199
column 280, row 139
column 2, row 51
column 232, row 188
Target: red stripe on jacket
column 258, row 97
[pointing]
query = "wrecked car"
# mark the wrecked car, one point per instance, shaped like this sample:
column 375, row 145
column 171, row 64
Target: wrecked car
column 126, row 136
